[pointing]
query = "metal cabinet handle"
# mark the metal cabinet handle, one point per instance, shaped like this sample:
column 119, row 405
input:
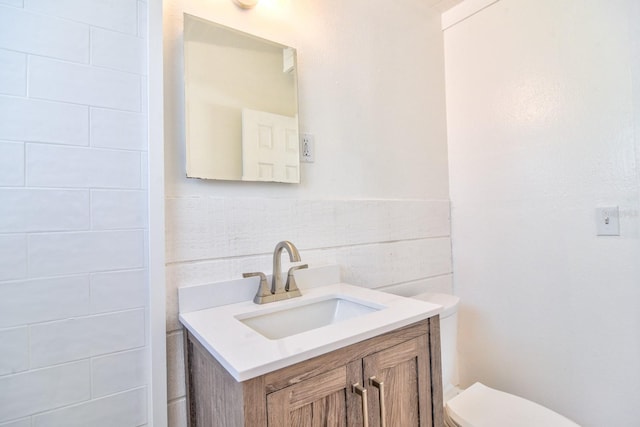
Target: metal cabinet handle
column 383, row 411
column 362, row 392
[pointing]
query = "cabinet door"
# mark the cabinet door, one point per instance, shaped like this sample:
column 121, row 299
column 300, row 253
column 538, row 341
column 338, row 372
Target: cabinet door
column 322, row 401
column 404, row 371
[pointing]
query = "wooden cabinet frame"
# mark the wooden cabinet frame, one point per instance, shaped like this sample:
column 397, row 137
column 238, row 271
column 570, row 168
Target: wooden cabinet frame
column 215, row 399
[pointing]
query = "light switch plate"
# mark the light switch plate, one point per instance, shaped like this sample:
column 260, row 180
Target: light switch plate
column 608, row 221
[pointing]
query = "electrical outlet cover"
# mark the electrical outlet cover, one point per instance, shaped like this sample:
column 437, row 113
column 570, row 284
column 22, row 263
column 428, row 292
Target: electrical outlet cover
column 307, row 148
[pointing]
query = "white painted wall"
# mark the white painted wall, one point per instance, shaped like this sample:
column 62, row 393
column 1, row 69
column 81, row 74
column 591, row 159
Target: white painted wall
column 543, row 109
column 371, row 90
column 73, row 193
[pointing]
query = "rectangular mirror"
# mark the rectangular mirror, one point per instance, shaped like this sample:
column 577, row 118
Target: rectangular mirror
column 241, row 105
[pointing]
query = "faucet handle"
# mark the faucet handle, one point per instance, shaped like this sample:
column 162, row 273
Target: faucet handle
column 291, row 287
column 264, row 290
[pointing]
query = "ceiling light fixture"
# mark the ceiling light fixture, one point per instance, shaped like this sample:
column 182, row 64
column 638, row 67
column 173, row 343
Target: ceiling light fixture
column 246, row 4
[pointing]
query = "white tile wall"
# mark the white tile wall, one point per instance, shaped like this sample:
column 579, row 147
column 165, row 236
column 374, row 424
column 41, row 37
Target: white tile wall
column 11, row 163
column 117, row 209
column 34, row 120
column 118, row 129
column 119, row 51
column 80, row 252
column 25, row 422
column 40, row 300
column 44, row 389
column 84, row 337
column 13, row 73
column 13, row 257
column 14, row 348
column 118, row 15
column 61, row 166
column 144, row 167
column 23, row 210
column 16, row 3
column 73, row 278
column 38, row 34
column 142, row 18
column 118, row 290
column 118, row 372
column 124, row 409
column 94, row 86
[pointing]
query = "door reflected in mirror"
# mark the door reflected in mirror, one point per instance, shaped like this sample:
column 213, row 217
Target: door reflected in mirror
column 241, row 106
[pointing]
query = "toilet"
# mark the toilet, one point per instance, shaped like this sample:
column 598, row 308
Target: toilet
column 479, row 405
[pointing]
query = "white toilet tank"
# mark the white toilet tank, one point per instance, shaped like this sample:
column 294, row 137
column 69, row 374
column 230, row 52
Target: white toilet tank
column 448, row 338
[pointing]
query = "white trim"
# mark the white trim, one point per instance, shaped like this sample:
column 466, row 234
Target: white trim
column 464, row 10
column 157, row 411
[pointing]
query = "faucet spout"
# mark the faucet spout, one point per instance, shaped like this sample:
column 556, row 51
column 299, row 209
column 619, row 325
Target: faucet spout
column 294, row 256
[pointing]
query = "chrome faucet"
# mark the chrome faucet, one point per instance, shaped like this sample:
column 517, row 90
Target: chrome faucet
column 277, row 291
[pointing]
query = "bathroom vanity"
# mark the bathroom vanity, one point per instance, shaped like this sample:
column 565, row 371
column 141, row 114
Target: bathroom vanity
column 382, row 364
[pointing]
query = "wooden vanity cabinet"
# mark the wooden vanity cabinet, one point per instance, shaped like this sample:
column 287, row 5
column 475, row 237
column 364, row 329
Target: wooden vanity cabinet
column 320, row 392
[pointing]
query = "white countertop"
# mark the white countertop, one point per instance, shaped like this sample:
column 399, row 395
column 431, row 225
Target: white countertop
column 247, row 354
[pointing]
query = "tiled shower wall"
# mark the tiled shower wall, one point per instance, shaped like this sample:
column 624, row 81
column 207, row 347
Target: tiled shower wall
column 402, row 245
column 73, row 345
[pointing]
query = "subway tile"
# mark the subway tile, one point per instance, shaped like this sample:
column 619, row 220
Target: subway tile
column 13, row 73
column 83, row 337
column 118, row 129
column 60, row 166
column 124, row 409
column 25, row 210
column 14, row 3
column 145, row 94
column 143, row 20
column 118, row 372
column 14, row 348
column 43, row 35
column 144, row 170
column 13, row 257
column 11, row 163
column 41, row 300
column 24, row 422
column 118, row 51
column 44, row 389
column 117, row 209
column 175, row 366
column 118, row 290
column 52, row 254
column 42, row 121
column 83, row 84
column 119, row 15
column 118, row 332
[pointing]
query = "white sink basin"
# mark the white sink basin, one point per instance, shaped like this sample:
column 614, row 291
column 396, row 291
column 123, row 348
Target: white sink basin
column 249, row 340
column 305, row 317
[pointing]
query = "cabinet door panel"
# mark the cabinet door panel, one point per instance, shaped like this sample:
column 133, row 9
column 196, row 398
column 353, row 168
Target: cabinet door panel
column 405, row 372
column 322, row 401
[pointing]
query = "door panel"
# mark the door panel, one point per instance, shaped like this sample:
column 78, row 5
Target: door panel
column 322, row 401
column 404, row 371
column 270, row 148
